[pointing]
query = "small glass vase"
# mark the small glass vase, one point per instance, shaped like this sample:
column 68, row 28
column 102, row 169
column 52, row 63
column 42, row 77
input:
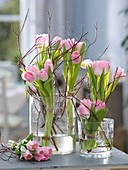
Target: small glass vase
column 60, row 140
column 96, row 138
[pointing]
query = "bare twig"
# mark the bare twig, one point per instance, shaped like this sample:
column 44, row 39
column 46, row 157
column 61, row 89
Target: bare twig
column 24, row 22
column 18, row 34
column 103, row 52
column 96, row 28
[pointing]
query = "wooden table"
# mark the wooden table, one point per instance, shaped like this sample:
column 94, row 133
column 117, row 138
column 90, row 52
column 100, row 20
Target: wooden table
column 73, row 161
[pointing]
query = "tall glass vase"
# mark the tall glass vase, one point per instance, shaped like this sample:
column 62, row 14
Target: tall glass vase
column 96, row 138
column 44, row 119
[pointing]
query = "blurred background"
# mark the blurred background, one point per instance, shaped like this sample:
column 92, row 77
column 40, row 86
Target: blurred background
column 111, row 19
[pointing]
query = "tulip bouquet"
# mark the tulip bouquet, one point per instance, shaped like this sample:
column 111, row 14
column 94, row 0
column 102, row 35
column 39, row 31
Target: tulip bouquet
column 98, row 73
column 40, row 77
column 30, row 150
column 72, row 62
column 94, row 109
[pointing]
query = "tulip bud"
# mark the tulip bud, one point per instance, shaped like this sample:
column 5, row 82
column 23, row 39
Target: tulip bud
column 33, row 69
column 98, row 104
column 32, row 145
column 84, row 109
column 48, row 63
column 86, row 63
column 41, row 40
column 27, row 155
column 29, row 76
column 43, row 75
column 118, row 73
column 76, row 58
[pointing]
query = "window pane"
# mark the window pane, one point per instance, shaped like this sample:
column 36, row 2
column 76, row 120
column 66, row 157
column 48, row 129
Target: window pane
column 8, row 43
column 9, row 6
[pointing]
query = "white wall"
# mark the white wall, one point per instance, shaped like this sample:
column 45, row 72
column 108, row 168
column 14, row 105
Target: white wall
column 115, row 31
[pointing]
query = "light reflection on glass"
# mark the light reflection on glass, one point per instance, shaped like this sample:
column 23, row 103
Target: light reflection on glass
column 105, row 161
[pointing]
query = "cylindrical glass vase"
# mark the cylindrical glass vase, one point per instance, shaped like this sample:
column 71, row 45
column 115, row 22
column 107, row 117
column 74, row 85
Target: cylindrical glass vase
column 96, row 138
column 39, row 114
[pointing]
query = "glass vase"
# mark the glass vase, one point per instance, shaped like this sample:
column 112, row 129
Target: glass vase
column 96, row 138
column 61, row 141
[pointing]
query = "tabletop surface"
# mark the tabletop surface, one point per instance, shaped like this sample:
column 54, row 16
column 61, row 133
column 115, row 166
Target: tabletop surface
column 73, row 160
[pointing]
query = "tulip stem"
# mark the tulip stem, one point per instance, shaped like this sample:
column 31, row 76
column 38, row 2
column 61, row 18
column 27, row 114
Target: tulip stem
column 48, row 123
column 70, row 117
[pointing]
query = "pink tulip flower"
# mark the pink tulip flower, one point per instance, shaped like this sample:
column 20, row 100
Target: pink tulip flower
column 56, row 39
column 76, row 58
column 105, row 65
column 43, row 75
column 47, row 151
column 100, row 66
column 79, row 46
column 27, row 155
column 99, row 105
column 40, row 158
column 48, row 63
column 97, row 67
column 43, row 153
column 32, row 145
column 41, row 40
column 69, row 43
column 40, row 151
column 29, row 76
column 118, row 73
column 33, row 69
column 86, row 63
column 44, row 158
column 84, row 108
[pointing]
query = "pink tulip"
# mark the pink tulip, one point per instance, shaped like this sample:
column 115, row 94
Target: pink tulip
column 79, row 46
column 69, row 43
column 41, row 40
column 56, row 39
column 84, row 109
column 32, row 145
column 86, row 63
column 29, row 76
column 97, row 67
column 43, row 75
column 99, row 105
column 105, row 65
column 48, row 63
column 44, row 158
column 100, row 66
column 43, row 153
column 27, row 155
column 118, row 73
column 47, row 151
column 33, row 69
column 40, row 158
column 40, row 151
column 76, row 58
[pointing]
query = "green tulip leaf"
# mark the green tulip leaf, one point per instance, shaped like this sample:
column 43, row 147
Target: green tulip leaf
column 23, row 149
column 89, row 144
column 100, row 114
column 17, row 151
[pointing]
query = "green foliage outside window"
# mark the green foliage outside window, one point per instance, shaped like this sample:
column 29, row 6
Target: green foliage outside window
column 8, row 44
